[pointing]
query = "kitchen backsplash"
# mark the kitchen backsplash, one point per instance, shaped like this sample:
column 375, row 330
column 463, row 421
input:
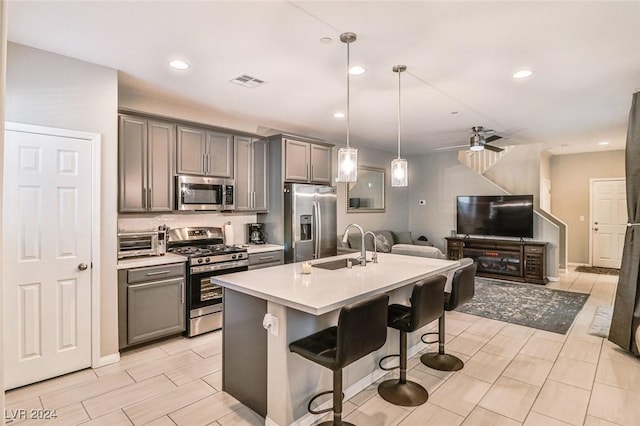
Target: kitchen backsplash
column 145, row 222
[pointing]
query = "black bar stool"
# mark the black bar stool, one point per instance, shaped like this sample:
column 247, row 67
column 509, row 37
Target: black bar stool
column 427, row 304
column 462, row 290
column 362, row 329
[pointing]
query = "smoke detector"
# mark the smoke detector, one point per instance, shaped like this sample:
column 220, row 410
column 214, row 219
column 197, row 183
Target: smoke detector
column 247, row 81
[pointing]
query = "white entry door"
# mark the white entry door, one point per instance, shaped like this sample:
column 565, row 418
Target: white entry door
column 608, row 222
column 46, row 256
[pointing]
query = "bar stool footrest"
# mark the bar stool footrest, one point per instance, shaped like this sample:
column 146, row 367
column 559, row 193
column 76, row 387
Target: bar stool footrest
column 388, row 368
column 326, row 410
column 407, row 394
column 442, row 362
column 427, row 334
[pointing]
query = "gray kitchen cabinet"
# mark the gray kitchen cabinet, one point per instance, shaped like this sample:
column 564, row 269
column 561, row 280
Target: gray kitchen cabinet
column 151, row 303
column 252, row 174
column 306, row 162
column 320, row 163
column 204, row 152
column 145, row 165
column 266, row 259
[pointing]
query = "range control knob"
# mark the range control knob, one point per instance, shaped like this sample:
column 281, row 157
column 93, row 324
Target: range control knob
column 233, row 256
column 200, row 260
column 207, row 260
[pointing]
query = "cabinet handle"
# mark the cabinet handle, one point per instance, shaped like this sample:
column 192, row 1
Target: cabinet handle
column 144, row 198
column 308, row 172
column 204, row 163
column 311, row 177
column 253, row 199
column 149, row 198
column 158, row 273
column 266, row 257
column 208, row 163
column 182, row 292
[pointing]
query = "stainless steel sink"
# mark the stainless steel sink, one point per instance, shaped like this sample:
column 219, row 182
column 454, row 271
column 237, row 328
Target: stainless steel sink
column 336, row 264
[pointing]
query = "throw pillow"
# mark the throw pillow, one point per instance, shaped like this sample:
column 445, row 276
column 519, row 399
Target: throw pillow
column 383, row 244
column 403, row 237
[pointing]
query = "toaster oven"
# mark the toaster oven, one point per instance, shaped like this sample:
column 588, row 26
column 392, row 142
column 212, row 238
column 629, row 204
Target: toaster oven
column 146, row 243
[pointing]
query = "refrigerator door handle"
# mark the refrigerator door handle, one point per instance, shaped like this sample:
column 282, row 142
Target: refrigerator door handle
column 319, row 228
column 316, row 229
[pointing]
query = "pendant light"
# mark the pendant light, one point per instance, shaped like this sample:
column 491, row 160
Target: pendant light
column 348, row 157
column 399, row 167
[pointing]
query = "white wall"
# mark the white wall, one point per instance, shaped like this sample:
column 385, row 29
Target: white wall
column 3, row 67
column 56, row 91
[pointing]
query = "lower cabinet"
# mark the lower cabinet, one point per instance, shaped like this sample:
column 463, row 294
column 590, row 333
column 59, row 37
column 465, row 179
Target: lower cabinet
column 266, row 259
column 150, row 303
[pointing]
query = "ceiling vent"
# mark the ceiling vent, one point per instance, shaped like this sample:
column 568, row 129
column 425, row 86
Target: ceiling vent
column 247, row 81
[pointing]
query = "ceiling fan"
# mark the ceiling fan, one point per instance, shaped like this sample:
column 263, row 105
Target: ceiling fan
column 479, row 140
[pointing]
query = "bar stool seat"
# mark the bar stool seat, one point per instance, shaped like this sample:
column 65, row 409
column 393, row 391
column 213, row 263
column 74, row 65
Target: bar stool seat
column 361, row 329
column 427, row 304
column 462, row 291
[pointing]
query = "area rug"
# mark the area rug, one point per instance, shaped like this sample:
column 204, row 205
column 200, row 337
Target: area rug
column 525, row 304
column 601, row 321
column 598, row 270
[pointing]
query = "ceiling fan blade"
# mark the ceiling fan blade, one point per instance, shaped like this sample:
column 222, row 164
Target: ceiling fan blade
column 493, row 148
column 444, row 148
column 492, row 138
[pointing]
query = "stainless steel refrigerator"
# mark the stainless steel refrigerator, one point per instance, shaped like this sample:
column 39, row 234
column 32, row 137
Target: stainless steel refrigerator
column 309, row 222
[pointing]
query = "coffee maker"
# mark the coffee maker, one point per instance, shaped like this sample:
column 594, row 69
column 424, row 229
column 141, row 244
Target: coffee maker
column 256, row 233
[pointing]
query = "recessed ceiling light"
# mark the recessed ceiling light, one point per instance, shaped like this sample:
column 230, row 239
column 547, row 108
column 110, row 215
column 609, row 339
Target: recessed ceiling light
column 522, row 74
column 178, row 64
column 339, row 115
column 603, row 143
column 325, row 40
column 357, row 70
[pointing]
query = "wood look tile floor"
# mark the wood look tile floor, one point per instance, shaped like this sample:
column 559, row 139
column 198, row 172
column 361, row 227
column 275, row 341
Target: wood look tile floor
column 513, row 375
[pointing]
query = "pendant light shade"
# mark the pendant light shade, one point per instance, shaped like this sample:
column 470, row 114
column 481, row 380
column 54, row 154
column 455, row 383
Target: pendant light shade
column 348, row 157
column 399, row 166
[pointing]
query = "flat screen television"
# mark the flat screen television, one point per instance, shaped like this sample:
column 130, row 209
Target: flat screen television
column 495, row 215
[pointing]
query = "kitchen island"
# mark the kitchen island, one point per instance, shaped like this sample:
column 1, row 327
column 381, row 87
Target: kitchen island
column 258, row 368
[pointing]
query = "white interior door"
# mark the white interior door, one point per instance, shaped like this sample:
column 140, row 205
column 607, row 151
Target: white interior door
column 608, row 222
column 46, row 256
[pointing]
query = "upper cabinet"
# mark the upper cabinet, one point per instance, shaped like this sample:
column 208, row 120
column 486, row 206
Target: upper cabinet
column 204, row 152
column 252, row 178
column 146, row 164
column 306, row 162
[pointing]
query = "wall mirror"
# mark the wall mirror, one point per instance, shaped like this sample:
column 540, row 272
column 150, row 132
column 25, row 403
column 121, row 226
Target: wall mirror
column 367, row 194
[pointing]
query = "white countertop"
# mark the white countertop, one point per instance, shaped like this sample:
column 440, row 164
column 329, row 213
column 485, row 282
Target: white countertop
column 137, row 262
column 261, row 248
column 324, row 290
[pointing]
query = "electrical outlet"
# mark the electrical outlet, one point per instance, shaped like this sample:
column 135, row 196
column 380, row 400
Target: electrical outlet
column 422, row 202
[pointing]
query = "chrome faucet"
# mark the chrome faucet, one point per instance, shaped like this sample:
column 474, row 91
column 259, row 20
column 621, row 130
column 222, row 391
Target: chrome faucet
column 375, row 246
column 363, row 252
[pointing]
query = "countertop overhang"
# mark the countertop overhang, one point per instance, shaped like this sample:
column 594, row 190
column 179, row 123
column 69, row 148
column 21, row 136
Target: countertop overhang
column 323, row 290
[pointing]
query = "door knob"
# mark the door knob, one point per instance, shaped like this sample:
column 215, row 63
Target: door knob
column 82, row 266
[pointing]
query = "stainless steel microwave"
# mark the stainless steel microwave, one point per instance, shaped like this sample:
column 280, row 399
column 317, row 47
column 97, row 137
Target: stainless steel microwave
column 204, row 193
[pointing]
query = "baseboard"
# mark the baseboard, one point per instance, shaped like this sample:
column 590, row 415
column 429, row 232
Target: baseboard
column 106, row 360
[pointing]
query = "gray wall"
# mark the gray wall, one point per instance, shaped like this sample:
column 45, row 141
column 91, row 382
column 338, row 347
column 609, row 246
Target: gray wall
column 440, row 177
column 570, row 187
column 395, row 216
column 50, row 90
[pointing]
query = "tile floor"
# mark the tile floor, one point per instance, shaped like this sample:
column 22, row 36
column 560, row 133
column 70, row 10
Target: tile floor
column 513, row 375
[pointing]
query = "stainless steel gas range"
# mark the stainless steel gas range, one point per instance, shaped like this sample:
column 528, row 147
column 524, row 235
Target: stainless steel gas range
column 208, row 257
